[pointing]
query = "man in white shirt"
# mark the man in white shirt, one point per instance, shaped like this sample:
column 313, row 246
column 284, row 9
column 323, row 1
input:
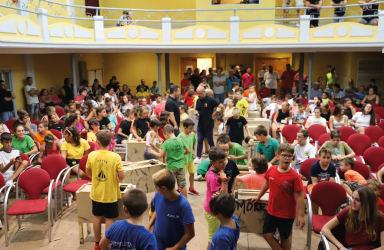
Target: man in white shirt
column 31, row 93
column 219, row 83
column 303, row 149
column 271, row 79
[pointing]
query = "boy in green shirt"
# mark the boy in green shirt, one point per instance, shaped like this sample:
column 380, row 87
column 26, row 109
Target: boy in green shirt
column 236, row 151
column 267, row 146
column 340, row 149
column 242, row 104
column 175, row 149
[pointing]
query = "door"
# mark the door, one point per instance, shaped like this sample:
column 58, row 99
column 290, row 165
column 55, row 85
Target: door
column 187, row 63
column 92, row 3
column 95, row 74
column 7, row 75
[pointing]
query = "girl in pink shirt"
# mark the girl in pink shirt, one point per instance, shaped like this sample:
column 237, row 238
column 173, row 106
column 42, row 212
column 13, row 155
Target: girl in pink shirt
column 255, row 180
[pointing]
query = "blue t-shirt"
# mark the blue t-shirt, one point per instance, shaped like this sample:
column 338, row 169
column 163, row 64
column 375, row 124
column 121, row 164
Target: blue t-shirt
column 226, row 238
column 359, row 96
column 124, row 235
column 322, row 175
column 171, row 217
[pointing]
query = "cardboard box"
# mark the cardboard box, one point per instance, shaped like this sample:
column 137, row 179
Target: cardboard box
column 136, row 150
column 244, row 170
column 252, row 144
column 254, row 114
column 140, row 174
column 261, row 121
column 191, row 113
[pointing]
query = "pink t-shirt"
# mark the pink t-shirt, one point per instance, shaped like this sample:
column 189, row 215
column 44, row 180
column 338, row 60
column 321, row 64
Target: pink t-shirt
column 254, row 180
column 110, row 147
column 248, row 79
column 213, row 184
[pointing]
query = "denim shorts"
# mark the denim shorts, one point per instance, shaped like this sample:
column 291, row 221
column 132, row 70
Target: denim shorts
column 33, row 108
column 148, row 156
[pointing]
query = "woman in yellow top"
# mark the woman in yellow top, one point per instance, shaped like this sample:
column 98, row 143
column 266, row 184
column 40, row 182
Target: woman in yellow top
column 332, row 77
column 142, row 94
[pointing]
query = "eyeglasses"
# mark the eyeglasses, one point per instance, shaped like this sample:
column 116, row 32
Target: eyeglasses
column 368, row 107
column 287, row 156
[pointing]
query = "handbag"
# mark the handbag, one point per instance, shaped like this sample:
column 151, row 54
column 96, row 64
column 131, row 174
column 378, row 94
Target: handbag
column 321, row 245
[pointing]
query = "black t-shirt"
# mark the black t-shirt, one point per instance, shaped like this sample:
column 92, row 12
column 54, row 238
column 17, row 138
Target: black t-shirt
column 114, row 86
column 58, row 126
column 104, row 123
column 128, row 93
column 139, row 86
column 341, row 10
column 231, row 171
column 68, row 92
column 326, row 116
column 195, row 80
column 314, row 10
column 5, row 105
column 142, row 126
column 205, row 108
column 238, row 75
column 348, row 113
column 322, row 175
column 173, row 106
column 370, row 10
column 126, row 127
column 236, row 131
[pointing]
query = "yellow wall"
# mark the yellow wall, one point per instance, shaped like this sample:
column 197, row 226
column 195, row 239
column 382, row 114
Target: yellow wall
column 94, row 61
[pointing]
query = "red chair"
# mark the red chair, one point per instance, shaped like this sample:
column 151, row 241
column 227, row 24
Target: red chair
column 62, row 122
column 381, row 125
column 378, row 118
column 305, row 170
column 359, row 167
column 119, row 119
column 25, row 157
column 36, row 122
column 56, row 133
column 304, row 101
column 92, row 146
column 328, row 203
column 60, row 112
column 359, row 143
column 374, row 105
column 10, row 124
column 33, row 181
column 315, row 131
column 2, row 184
column 290, row 133
column 374, row 133
column 117, row 127
column 381, row 195
column 374, row 157
column 323, row 138
column 381, row 142
column 346, row 132
column 380, row 112
column 331, row 105
column 358, row 109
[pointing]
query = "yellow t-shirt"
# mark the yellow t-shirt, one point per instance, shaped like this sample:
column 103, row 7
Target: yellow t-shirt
column 140, row 95
column 91, row 137
column 1, row 146
column 75, row 152
column 183, row 116
column 242, row 105
column 105, row 185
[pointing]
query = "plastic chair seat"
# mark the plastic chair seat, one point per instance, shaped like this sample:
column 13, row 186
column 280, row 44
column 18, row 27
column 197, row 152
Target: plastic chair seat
column 45, row 190
column 28, row 207
column 74, row 186
column 318, row 221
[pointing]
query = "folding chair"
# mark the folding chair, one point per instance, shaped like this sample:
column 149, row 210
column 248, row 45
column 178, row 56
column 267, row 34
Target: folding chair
column 290, row 133
column 359, row 143
column 346, row 132
column 374, row 157
column 374, row 133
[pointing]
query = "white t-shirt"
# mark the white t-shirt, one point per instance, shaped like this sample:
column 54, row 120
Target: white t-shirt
column 272, row 107
column 312, row 108
column 31, row 99
column 361, row 119
column 290, row 102
column 304, row 152
column 5, row 158
column 153, row 105
column 218, row 89
column 271, row 79
column 112, row 97
column 221, row 127
column 313, row 120
column 252, row 105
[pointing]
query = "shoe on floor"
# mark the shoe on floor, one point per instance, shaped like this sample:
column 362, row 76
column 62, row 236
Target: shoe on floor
column 193, row 191
column 198, row 177
column 70, row 201
column 96, row 247
column 197, row 160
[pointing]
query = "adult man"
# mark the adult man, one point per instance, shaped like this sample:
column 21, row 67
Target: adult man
column 172, row 106
column 238, row 73
column 303, row 149
column 226, row 73
column 271, row 78
column 316, row 91
column 248, row 78
column 31, row 93
column 185, row 83
column 369, row 10
column 359, row 97
column 287, row 77
column 204, row 109
column 195, row 78
column 232, row 78
column 113, row 84
column 261, row 73
column 219, row 83
column 210, row 77
column 264, row 92
column 6, row 104
column 142, row 84
column 315, row 12
column 242, row 70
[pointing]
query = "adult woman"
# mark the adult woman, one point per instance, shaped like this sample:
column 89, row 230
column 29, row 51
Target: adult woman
column 229, row 109
column 125, row 91
column 316, row 119
column 45, row 100
column 203, row 74
column 68, row 90
column 310, row 108
column 325, row 111
column 124, row 105
column 363, row 119
column 364, row 224
column 91, row 112
column 97, row 88
column 294, row 93
column 24, row 144
column 281, row 118
column 372, row 97
column 338, row 118
column 55, row 99
column 349, row 110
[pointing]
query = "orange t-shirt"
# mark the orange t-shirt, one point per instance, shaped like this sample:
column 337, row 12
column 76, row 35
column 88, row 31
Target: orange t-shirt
column 246, row 93
column 40, row 138
column 354, row 176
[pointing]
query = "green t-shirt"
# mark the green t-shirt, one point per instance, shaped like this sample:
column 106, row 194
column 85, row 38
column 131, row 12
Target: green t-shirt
column 341, row 149
column 269, row 149
column 154, row 89
column 175, row 152
column 190, row 141
column 210, row 80
column 203, row 167
column 25, row 145
column 237, row 150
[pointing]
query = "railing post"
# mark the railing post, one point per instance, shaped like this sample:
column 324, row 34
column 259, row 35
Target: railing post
column 304, row 28
column 234, row 32
column 42, row 20
column 22, row 4
column 166, row 29
column 98, row 26
column 380, row 27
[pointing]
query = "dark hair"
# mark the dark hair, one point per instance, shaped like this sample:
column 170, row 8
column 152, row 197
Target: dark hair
column 42, row 91
column 135, row 201
column 28, row 78
column 325, row 151
column 259, row 164
column 348, row 161
column 75, row 134
column 50, row 117
column 230, row 91
column 154, row 123
column 220, row 118
column 66, row 81
column 108, row 109
column 173, row 88
column 93, row 121
column 336, row 85
column 16, row 126
column 372, row 121
column 6, row 136
column 70, row 119
column 223, row 139
column 261, row 130
column 82, row 89
column 44, row 123
column 190, row 93
column 372, row 80
column 99, row 110
column 188, row 122
column 326, row 94
column 300, row 104
column 216, row 153
column 128, row 112
column 239, row 91
column 223, row 204
column 297, row 100
column 374, row 89
column 104, row 137
column 164, row 118
column 337, row 110
column 89, row 105
column 285, row 147
column 304, row 132
column 335, row 134
column 185, row 108
column 108, row 99
column 186, row 73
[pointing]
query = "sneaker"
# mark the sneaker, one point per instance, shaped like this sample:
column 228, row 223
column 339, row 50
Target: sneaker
column 197, row 160
column 70, row 202
column 198, row 177
column 297, row 25
column 96, row 247
column 178, row 188
column 193, row 191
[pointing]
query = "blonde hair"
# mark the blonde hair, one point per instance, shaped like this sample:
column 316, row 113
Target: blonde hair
column 50, row 109
column 142, row 109
column 374, row 182
column 236, row 111
column 164, row 178
column 286, row 104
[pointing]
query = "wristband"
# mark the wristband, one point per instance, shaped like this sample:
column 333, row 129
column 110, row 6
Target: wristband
column 218, row 109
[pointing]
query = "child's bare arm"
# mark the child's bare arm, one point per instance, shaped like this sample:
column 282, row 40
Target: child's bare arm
column 88, row 172
column 121, row 175
column 153, row 136
column 300, row 201
column 187, row 150
column 104, row 243
column 239, row 179
column 152, row 220
column 189, row 234
column 133, row 131
column 262, row 192
column 158, row 155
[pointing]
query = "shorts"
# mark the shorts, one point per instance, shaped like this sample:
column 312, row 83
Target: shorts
column 108, row 210
column 7, row 175
column 353, row 185
column 213, row 224
column 309, row 188
column 180, row 177
column 148, row 156
column 120, row 138
column 190, row 167
column 33, row 108
column 364, row 21
column 299, row 3
column 72, row 162
column 271, row 223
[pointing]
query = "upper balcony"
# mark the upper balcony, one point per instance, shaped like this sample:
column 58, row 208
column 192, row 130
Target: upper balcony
column 46, row 27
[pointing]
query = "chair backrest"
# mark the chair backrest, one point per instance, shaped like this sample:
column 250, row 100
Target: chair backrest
column 33, row 182
column 358, row 109
column 378, row 117
column 374, row 105
column 56, row 133
column 2, row 181
column 305, row 168
column 359, row 167
column 25, row 157
column 36, row 122
column 60, row 112
column 359, row 143
column 92, row 146
column 315, row 130
column 379, row 111
column 331, row 104
column 328, row 203
column 374, row 157
column 304, row 101
column 323, row 138
column 10, row 124
column 381, row 125
column 290, row 132
column 83, row 164
column 346, row 132
column 119, row 119
column 53, row 164
column 374, row 133
column 117, row 127
column 381, row 142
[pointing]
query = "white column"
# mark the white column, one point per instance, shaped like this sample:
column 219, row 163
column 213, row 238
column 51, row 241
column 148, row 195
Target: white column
column 29, row 69
column 234, row 36
column 42, row 19
column 22, row 4
column 166, row 29
column 98, row 26
column 71, row 10
column 380, row 28
column 304, row 28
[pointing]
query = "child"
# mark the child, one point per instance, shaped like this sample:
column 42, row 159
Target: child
column 141, row 94
column 300, row 116
column 235, row 86
column 1, row 132
column 38, row 138
column 73, row 121
column 255, row 180
column 189, row 139
column 164, row 119
column 281, row 118
column 25, row 120
column 376, row 187
column 54, row 122
column 353, row 179
column 183, row 116
column 81, row 125
column 325, row 98
column 111, row 105
column 100, row 100
column 150, row 140
column 235, row 125
column 125, row 128
column 51, row 147
column 72, row 107
column 236, row 151
column 241, row 103
column 339, row 149
column 267, row 145
column 103, row 166
column 49, row 110
column 217, row 181
column 226, row 237
column 252, row 97
column 175, row 149
column 173, row 217
column 101, row 114
column 140, row 126
column 284, row 186
column 131, row 229
column 220, row 125
column 272, row 107
column 94, row 127
column 230, row 96
column 112, row 118
column 303, row 149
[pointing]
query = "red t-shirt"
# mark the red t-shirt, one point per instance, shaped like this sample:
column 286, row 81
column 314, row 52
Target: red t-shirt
column 380, row 203
column 282, row 188
column 184, row 83
column 188, row 100
column 288, row 78
column 159, row 108
column 360, row 240
column 264, row 93
column 79, row 98
column 248, row 79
